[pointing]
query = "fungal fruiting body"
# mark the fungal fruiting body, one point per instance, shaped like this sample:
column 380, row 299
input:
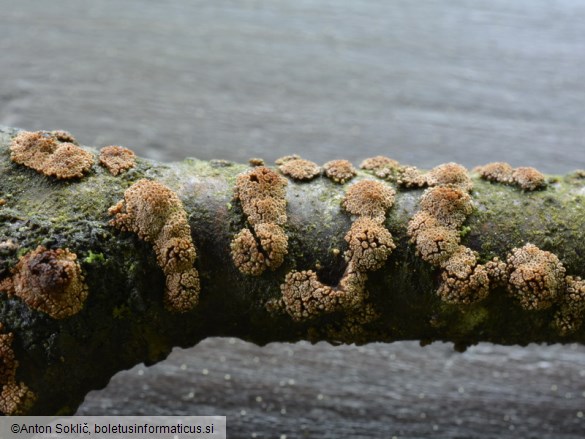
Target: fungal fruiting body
column 339, row 171
column 49, row 281
column 536, row 278
column 117, row 159
column 383, row 167
column 155, row 213
column 569, row 317
column 526, row 178
column 369, row 246
column 262, row 195
column 297, row 168
column 434, row 230
column 15, row 398
column 47, row 154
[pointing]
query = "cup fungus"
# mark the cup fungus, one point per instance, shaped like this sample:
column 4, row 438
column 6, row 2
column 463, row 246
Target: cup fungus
column 46, row 154
column 49, row 281
column 155, row 213
column 15, row 398
column 261, row 192
column 339, row 171
column 117, row 159
column 297, row 168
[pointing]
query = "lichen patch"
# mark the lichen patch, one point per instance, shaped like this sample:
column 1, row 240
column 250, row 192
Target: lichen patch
column 117, row 159
column 155, row 213
column 47, row 155
column 49, row 281
column 339, row 171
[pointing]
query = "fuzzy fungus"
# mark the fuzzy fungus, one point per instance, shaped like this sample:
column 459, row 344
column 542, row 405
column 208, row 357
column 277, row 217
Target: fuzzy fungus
column 449, row 205
column 117, row 159
column 261, row 192
column 49, row 281
column 298, row 168
column 436, row 244
column 497, row 272
column 452, row 174
column 383, row 167
column 370, row 244
column 569, row 318
column 15, row 398
column 368, row 197
column 339, row 171
column 500, row 172
column 527, row 178
column 411, row 177
column 256, row 161
column 252, row 254
column 463, row 281
column 46, row 154
column 536, row 277
column 155, row 213
column 62, row 136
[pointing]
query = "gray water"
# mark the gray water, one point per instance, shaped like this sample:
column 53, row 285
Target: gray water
column 424, row 82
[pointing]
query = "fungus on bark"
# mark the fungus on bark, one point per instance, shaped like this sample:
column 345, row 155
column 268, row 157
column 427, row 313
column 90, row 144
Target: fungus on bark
column 369, row 198
column 117, row 159
column 339, row 171
column 15, row 398
column 463, row 280
column 370, row 244
column 527, row 178
column 298, row 168
column 382, row 167
column 536, row 277
column 261, row 192
column 45, row 154
column 49, row 281
column 155, row 213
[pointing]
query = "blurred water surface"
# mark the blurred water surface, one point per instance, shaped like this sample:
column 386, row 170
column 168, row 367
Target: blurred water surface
column 424, row 82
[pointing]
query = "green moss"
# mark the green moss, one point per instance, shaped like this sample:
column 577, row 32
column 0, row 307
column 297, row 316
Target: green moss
column 94, row 258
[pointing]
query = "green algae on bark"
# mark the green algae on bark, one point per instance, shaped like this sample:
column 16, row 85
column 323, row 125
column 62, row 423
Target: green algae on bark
column 124, row 321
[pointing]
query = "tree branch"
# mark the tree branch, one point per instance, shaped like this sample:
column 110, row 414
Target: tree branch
column 125, row 319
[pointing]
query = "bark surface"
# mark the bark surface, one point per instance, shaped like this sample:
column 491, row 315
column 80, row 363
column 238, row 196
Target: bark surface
column 124, row 320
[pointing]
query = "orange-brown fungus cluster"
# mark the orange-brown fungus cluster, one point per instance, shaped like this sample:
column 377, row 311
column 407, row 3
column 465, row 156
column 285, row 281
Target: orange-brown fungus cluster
column 383, row 167
column 535, row 277
column 262, row 194
column 339, row 171
column 49, row 281
column 369, row 246
column 527, row 178
column 434, row 229
column 45, row 153
column 15, row 398
column 297, row 168
column 117, row 159
column 570, row 316
column 155, row 213
column 369, row 198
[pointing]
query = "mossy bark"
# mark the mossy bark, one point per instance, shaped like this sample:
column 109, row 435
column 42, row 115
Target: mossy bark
column 124, row 321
